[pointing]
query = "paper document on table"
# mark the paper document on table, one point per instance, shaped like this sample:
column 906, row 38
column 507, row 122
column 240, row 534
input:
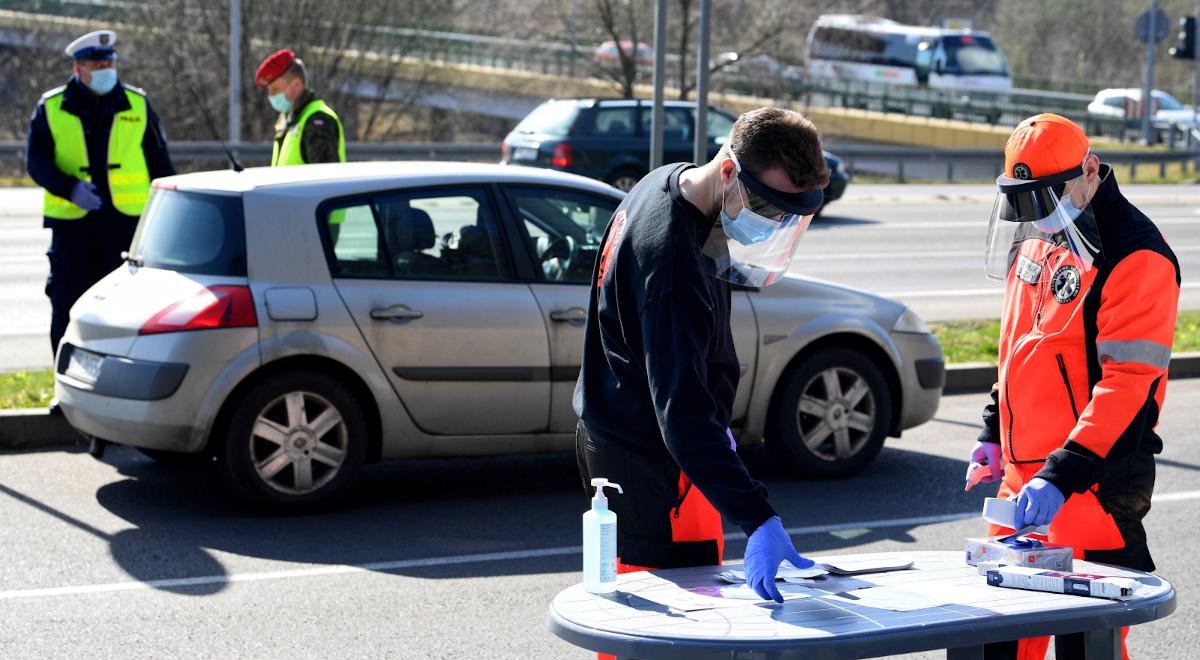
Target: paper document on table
column 861, row 565
column 831, row 583
column 887, row 598
column 785, row 572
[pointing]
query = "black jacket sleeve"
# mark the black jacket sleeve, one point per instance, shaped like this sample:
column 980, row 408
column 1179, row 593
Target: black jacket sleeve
column 319, row 143
column 154, row 145
column 991, row 418
column 39, row 157
column 676, row 330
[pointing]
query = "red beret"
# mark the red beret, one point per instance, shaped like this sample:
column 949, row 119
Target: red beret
column 273, row 67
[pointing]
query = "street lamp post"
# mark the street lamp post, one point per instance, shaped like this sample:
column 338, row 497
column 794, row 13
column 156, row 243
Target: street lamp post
column 235, row 71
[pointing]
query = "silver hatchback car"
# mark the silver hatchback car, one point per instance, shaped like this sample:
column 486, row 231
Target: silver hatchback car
column 298, row 322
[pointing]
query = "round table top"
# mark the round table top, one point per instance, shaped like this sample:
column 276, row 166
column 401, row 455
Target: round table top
column 941, row 602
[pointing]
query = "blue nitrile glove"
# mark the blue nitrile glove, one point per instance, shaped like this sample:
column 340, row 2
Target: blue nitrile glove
column 989, row 454
column 766, row 547
column 84, row 196
column 1038, row 503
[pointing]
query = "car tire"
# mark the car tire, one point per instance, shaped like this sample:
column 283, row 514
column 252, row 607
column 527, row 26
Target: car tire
column 295, row 443
column 823, row 433
column 625, row 178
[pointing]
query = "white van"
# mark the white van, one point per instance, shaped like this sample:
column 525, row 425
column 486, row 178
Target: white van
column 868, row 49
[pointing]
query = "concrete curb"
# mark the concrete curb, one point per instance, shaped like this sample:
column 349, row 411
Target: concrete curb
column 34, row 428
column 979, row 377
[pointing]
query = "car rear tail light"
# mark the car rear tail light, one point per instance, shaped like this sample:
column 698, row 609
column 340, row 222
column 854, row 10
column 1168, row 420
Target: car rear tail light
column 504, row 152
column 562, row 155
column 213, row 307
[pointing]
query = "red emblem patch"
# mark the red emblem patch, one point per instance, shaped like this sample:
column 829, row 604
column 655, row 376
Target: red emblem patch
column 615, row 233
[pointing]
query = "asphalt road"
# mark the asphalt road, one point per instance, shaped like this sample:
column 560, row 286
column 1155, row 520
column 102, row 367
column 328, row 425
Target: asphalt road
column 919, row 243
column 448, row 558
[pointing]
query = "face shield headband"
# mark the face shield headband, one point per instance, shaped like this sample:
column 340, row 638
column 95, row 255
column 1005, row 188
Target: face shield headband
column 754, row 247
column 1040, row 210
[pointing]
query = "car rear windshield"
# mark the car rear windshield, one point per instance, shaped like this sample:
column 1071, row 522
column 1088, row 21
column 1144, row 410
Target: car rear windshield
column 192, row 232
column 551, row 118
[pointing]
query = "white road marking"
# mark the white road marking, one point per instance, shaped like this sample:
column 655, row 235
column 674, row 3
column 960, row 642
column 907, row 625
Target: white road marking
column 954, row 293
column 27, row 331
column 343, row 569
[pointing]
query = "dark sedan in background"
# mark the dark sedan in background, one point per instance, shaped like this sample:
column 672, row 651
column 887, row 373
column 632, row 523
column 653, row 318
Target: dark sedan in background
column 609, row 139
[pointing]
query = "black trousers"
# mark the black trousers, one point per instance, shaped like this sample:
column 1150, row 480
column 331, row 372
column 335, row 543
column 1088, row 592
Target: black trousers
column 81, row 253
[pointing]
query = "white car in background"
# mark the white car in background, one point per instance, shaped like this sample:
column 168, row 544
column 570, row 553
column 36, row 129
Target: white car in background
column 294, row 323
column 1118, row 103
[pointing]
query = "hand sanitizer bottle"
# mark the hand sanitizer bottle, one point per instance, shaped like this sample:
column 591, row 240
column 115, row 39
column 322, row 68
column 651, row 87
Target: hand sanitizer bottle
column 600, row 542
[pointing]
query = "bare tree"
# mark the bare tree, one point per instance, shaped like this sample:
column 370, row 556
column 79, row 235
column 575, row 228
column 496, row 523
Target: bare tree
column 620, row 20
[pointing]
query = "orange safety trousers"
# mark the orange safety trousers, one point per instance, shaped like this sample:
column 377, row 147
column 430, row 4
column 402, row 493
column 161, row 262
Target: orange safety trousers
column 1081, row 523
column 695, row 520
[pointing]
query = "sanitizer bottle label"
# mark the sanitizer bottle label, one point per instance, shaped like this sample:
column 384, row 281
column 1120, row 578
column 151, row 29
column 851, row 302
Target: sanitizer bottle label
column 608, row 552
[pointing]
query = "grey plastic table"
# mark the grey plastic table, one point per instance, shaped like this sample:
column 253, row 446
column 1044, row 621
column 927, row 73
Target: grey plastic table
column 628, row 625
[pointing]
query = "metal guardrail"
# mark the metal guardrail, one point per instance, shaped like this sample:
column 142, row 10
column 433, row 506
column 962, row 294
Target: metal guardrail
column 994, row 158
column 1001, row 107
column 259, row 153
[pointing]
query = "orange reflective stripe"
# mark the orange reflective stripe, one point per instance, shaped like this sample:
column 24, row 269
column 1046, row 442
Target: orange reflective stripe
column 1139, row 304
column 1147, row 352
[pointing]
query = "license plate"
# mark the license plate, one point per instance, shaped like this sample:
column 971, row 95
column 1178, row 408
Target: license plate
column 525, row 153
column 84, row 365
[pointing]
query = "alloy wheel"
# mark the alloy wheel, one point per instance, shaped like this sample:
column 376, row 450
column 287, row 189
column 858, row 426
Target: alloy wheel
column 298, row 443
column 836, row 414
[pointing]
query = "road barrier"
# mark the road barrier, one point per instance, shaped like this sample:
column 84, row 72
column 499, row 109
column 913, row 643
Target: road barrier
column 1154, row 163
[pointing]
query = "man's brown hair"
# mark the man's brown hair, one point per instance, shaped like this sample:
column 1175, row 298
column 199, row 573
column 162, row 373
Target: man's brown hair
column 774, row 137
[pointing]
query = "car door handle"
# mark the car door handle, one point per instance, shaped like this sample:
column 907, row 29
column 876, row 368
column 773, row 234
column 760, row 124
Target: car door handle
column 573, row 315
column 396, row 313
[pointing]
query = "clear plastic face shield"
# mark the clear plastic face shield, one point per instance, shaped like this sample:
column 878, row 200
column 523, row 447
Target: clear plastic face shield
column 1050, row 209
column 754, row 247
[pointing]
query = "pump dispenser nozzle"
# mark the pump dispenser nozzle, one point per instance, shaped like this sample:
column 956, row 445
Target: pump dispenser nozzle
column 600, row 483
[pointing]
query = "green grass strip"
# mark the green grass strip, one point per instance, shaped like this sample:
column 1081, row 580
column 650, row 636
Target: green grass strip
column 26, row 389
column 978, row 341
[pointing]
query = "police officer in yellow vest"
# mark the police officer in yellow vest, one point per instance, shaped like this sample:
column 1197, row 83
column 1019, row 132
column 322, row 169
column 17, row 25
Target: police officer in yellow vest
column 94, row 145
column 308, row 130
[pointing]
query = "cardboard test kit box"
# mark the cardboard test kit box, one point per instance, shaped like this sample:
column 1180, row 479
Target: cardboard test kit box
column 1019, row 552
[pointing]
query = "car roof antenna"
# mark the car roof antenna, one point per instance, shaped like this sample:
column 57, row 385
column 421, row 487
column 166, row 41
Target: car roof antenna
column 237, row 167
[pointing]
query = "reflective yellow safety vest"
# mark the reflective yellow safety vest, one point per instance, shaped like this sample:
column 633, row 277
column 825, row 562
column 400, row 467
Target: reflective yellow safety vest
column 128, row 176
column 287, row 151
